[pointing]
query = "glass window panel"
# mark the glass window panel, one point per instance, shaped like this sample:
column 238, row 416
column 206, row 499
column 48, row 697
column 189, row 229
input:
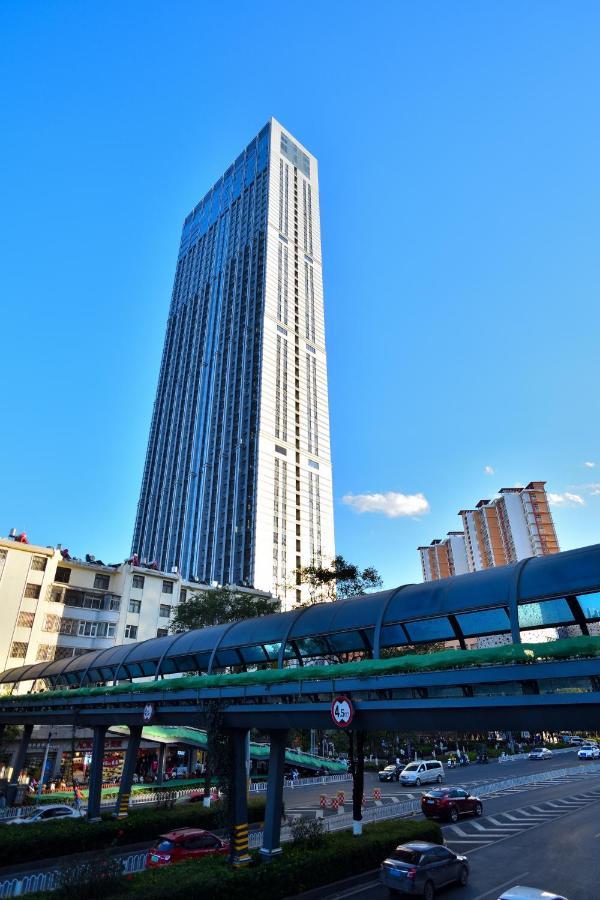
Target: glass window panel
column 253, row 654
column 312, row 647
column 185, row 664
column 393, row 636
column 502, row 689
column 134, row 670
column 489, row 621
column 227, row 658
column 551, row 612
column 565, row 685
column 429, row 630
column 347, row 640
column 590, row 604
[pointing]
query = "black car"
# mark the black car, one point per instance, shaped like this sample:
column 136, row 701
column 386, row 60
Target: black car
column 420, row 868
column 390, row 773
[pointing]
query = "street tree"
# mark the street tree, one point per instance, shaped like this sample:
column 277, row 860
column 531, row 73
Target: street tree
column 338, row 581
column 219, row 606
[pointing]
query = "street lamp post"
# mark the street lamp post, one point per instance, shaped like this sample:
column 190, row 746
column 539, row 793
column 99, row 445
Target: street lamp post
column 45, row 760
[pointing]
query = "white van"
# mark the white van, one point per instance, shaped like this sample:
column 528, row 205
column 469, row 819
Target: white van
column 422, row 771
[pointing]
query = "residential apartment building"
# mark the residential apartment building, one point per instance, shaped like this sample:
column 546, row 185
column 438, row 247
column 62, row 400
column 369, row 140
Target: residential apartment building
column 443, row 558
column 515, row 525
column 237, row 484
column 57, row 607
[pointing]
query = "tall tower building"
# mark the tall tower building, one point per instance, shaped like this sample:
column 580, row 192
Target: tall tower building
column 237, row 484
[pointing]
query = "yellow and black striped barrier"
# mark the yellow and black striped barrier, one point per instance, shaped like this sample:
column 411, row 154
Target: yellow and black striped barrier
column 123, row 806
column 241, row 857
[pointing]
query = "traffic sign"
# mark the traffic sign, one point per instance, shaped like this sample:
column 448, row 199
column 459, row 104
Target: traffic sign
column 148, row 713
column 342, row 711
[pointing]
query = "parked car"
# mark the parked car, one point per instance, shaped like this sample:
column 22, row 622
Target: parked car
column 540, row 753
column 47, row 813
column 450, row 803
column 420, row 868
column 576, row 739
column 422, row 772
column 390, row 773
column 183, row 844
column 520, row 892
column 589, row 751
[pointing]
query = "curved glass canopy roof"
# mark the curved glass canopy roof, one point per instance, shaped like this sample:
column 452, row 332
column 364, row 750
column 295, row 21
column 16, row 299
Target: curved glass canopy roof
column 541, row 592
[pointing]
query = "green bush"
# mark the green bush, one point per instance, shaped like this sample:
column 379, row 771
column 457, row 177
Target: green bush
column 308, row 833
column 23, row 843
column 296, row 870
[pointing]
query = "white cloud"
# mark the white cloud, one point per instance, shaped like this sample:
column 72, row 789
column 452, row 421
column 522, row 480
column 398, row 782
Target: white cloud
column 594, row 489
column 590, row 465
column 566, row 499
column 489, row 470
column 391, row 504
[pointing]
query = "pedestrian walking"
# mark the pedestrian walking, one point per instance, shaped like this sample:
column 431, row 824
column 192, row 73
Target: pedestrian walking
column 78, row 798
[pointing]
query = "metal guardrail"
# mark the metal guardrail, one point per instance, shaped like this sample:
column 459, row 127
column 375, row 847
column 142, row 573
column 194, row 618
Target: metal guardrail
column 47, row 880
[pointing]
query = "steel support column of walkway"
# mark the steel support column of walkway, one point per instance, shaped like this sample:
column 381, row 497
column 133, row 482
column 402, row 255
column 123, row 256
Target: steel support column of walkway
column 19, row 763
column 239, row 801
column 95, row 785
column 272, row 832
column 133, row 745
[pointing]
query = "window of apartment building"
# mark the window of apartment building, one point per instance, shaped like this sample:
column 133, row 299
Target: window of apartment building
column 162, row 632
column 101, row 582
column 38, row 563
column 64, row 652
column 135, row 606
column 87, row 629
column 45, row 652
column 32, row 591
column 25, row 619
column 106, row 629
column 115, row 604
column 138, row 581
column 63, row 575
column 18, row 649
column 167, row 587
column 182, row 595
column 164, row 611
column 131, row 631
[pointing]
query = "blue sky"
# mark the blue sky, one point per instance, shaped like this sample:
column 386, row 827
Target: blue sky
column 458, row 146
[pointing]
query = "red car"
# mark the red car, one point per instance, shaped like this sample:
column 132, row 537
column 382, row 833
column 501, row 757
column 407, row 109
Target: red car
column 183, row 844
column 450, row 803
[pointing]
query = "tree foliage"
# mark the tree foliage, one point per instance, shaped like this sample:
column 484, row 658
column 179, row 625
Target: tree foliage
column 338, row 581
column 215, row 607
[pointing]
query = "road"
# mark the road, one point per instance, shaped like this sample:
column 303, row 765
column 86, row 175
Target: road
column 546, row 836
column 305, row 800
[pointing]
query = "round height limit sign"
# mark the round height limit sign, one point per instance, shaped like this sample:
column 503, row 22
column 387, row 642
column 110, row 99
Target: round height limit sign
column 342, row 711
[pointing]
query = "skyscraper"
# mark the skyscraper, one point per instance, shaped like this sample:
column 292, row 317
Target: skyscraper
column 237, row 481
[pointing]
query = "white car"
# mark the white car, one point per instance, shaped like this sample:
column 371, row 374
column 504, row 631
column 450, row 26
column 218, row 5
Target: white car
column 589, row 751
column 47, row 813
column 520, row 892
column 540, row 753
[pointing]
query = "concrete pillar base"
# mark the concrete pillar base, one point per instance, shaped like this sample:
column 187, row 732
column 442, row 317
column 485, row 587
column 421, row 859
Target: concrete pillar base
column 267, row 855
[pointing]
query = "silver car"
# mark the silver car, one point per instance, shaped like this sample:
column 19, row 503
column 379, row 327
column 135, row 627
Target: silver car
column 49, row 813
column 420, row 868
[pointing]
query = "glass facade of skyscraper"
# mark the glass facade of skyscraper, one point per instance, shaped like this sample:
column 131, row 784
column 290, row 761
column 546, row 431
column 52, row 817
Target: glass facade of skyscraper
column 233, row 487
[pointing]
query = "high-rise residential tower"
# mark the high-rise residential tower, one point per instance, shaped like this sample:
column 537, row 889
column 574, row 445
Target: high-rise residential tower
column 513, row 526
column 237, row 484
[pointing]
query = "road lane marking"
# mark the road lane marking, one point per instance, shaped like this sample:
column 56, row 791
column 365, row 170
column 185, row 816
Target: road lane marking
column 499, row 887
